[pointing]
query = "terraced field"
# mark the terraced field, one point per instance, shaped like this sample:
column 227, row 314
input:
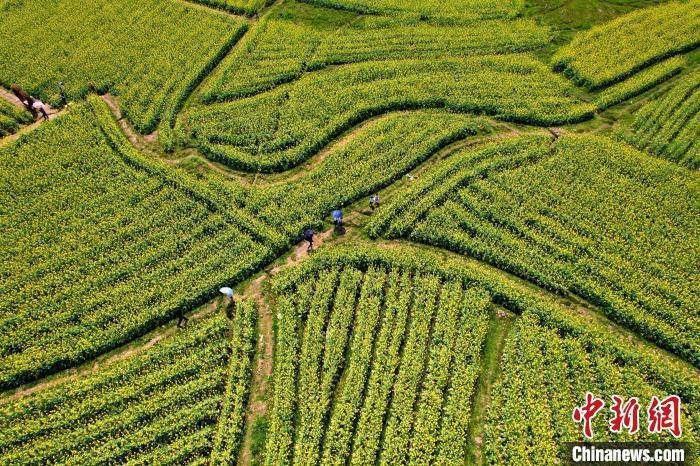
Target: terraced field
column 521, row 230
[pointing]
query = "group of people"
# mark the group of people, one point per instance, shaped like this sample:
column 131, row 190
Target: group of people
column 34, row 105
column 337, row 216
column 309, row 235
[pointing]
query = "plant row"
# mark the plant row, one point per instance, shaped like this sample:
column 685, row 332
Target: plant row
column 105, row 247
column 231, row 423
column 158, row 404
column 368, row 373
column 147, row 52
column 668, row 125
column 613, row 51
column 550, row 222
column 281, row 128
column 639, row 83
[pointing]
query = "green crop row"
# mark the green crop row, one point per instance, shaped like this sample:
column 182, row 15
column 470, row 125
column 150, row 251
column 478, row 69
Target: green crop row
column 348, row 401
column 239, row 7
column 138, row 409
column 148, row 52
column 544, row 375
column 231, row 423
column 281, row 128
column 106, row 245
column 410, row 376
column 420, row 322
column 387, row 358
column 640, row 82
column 330, row 410
column 550, row 222
column 11, row 117
column 669, row 126
column 613, row 51
column 310, row 387
column 429, row 10
column 378, row 155
column 296, row 38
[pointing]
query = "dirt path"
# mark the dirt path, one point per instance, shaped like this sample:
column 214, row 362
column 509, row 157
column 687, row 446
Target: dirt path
column 490, row 371
column 258, row 404
column 140, row 142
column 11, row 98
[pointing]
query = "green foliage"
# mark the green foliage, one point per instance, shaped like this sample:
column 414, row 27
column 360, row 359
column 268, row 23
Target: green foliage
column 281, row 128
column 294, row 38
column 551, row 221
column 640, row 82
column 231, row 424
column 157, row 406
column 150, row 60
column 611, row 52
column 529, row 415
column 373, row 343
column 11, row 117
column 669, row 126
column 103, row 244
column 258, row 438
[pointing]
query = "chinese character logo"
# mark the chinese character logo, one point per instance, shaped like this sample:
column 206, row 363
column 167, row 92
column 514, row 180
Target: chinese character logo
column 665, row 415
column 662, row 415
column 587, row 412
column 625, row 416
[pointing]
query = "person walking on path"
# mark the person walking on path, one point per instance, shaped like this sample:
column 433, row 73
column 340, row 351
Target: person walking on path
column 374, row 202
column 309, row 237
column 39, row 106
column 62, row 94
column 228, row 292
column 337, row 218
column 181, row 318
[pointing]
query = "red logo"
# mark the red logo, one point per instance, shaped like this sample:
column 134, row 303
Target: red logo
column 587, row 412
column 624, row 415
column 662, row 415
column 665, row 415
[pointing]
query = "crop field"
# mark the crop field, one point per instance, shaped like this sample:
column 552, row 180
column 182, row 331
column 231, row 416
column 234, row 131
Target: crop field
column 150, row 62
column 669, row 126
column 348, row 232
column 128, row 229
column 282, row 128
column 162, row 405
column 538, row 214
column 612, row 51
column 11, row 117
column 297, row 38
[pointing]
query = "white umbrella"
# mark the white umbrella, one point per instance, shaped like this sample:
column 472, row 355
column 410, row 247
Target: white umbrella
column 227, row 291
